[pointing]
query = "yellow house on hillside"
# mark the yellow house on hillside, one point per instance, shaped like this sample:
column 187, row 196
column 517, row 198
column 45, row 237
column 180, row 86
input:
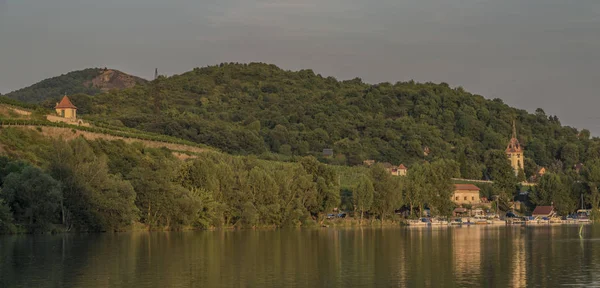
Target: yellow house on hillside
column 66, row 109
column 466, row 194
column 402, row 170
column 395, row 170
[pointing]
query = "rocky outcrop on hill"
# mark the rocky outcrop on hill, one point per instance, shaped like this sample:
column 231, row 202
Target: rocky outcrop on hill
column 109, row 79
column 90, row 81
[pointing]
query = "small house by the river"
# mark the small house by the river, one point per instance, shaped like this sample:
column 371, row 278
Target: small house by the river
column 543, row 211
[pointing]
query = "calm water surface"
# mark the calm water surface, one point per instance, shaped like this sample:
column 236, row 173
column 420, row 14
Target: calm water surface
column 372, row 257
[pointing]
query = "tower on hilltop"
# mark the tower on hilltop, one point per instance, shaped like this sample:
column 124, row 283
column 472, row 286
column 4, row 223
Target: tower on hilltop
column 514, row 151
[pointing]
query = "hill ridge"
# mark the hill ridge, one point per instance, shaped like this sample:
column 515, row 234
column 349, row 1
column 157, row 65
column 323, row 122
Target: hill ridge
column 89, row 81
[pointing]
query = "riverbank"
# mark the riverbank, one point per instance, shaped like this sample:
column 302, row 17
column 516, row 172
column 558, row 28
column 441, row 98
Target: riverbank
column 141, row 227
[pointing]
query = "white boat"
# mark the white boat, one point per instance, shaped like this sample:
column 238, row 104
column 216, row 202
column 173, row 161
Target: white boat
column 555, row 220
column 421, row 222
column 497, row 221
column 515, row 221
column 480, row 220
column 456, row 221
column 583, row 216
column 439, row 222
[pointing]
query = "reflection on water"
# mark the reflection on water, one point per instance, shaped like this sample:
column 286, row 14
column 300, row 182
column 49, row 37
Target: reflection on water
column 373, row 257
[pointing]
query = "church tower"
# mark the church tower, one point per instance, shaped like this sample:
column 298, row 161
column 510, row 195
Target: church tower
column 514, row 152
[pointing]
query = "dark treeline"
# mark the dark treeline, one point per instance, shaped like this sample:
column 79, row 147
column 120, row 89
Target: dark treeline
column 258, row 108
column 100, row 185
column 104, row 186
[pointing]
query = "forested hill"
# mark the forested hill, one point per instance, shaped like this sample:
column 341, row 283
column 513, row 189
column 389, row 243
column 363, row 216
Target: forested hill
column 90, row 81
column 257, row 108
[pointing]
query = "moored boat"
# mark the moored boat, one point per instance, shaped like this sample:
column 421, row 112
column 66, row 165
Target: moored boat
column 421, row 222
column 456, row 221
column 439, row 222
column 515, row 221
column 583, row 216
column 479, row 220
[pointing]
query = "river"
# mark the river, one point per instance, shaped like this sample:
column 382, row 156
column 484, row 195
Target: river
column 326, row 257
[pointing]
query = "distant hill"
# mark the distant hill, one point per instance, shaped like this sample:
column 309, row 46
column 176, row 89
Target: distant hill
column 259, row 108
column 90, row 81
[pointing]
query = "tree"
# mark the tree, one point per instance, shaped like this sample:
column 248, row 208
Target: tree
column 569, row 154
column 93, row 199
column 530, row 168
column 327, row 184
column 363, row 195
column 387, row 193
column 591, row 175
column 499, row 170
column 6, row 218
column 521, row 175
column 440, row 174
column 34, row 197
column 553, row 190
column 417, row 188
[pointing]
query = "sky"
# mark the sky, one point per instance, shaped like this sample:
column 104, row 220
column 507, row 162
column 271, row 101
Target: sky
column 532, row 54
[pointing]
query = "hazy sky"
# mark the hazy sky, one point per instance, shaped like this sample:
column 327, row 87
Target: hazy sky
column 533, row 53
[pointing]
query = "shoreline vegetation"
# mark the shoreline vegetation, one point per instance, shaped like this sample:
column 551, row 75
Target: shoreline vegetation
column 83, row 185
column 97, row 185
column 267, row 130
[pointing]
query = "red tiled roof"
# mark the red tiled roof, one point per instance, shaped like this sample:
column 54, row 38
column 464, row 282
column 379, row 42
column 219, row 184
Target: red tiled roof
column 543, row 210
column 466, row 187
column 65, row 103
column 402, row 167
column 514, row 146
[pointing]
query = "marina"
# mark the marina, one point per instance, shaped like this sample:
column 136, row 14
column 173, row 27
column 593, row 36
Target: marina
column 479, row 220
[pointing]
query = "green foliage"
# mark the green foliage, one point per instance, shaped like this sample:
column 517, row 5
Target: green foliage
column 111, row 130
column 33, row 196
column 93, row 198
column 417, row 188
column 6, row 219
column 553, row 189
column 56, row 87
column 569, row 154
column 432, row 185
column 499, row 170
column 259, row 110
column 387, row 192
column 326, row 180
column 12, row 102
column 440, row 176
column 50, row 90
column 363, row 195
column 521, row 175
column 253, row 108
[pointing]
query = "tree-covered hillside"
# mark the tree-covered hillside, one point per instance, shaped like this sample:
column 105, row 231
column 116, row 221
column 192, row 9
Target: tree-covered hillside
column 254, row 108
column 90, row 81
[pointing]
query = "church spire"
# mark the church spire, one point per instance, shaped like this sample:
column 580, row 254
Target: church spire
column 514, row 134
